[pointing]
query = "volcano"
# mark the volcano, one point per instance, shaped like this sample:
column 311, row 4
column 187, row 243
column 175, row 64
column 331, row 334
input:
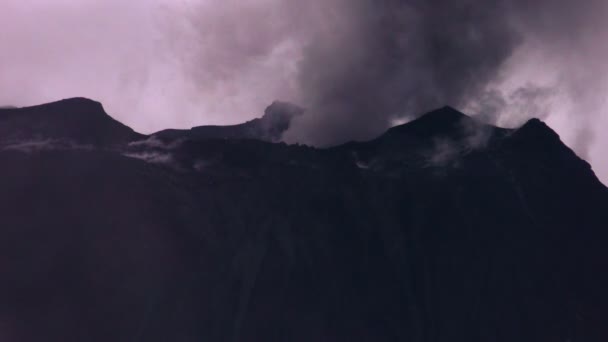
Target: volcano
column 441, row 229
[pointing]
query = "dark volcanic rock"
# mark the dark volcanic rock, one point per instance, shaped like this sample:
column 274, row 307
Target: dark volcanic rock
column 443, row 229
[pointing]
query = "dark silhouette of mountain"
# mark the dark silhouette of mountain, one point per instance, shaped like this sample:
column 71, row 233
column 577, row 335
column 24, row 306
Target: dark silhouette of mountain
column 269, row 127
column 78, row 120
column 442, row 229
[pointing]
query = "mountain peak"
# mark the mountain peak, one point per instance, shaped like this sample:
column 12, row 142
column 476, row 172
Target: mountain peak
column 537, row 126
column 78, row 101
column 442, row 118
column 539, row 132
column 445, row 121
column 80, row 120
column 445, row 112
column 80, row 105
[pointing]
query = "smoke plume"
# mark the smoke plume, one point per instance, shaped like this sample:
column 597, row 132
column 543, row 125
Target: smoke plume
column 358, row 66
column 392, row 59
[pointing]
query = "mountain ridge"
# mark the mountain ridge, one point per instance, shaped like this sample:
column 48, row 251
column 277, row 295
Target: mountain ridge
column 442, row 229
column 443, row 134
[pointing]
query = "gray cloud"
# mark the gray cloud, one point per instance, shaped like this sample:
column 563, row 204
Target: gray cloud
column 357, row 65
column 393, row 58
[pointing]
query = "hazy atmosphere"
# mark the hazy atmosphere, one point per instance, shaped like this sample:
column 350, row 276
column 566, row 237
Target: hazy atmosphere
column 358, row 66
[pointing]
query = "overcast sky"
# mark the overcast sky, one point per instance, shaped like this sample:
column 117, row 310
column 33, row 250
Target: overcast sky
column 358, row 65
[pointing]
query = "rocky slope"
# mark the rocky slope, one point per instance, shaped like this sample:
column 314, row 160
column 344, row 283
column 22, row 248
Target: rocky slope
column 442, row 229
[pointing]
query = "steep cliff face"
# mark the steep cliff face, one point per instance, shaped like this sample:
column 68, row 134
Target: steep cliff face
column 443, row 229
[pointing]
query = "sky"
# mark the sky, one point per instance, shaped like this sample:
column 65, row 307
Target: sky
column 358, row 66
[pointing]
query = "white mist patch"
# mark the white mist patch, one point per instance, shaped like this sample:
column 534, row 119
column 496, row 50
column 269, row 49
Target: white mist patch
column 448, row 151
column 155, row 142
column 398, row 121
column 151, row 157
column 477, row 135
column 201, row 165
column 153, row 150
column 445, row 152
column 30, row 146
column 362, row 165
